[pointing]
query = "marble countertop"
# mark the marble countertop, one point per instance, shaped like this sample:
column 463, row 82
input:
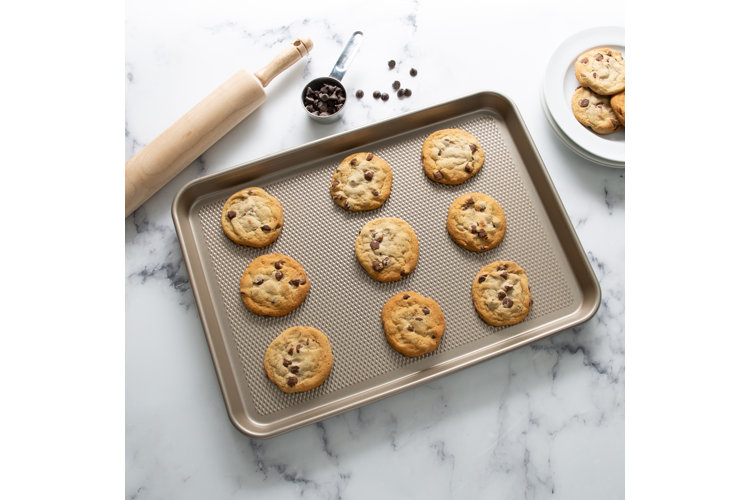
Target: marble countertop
column 546, row 419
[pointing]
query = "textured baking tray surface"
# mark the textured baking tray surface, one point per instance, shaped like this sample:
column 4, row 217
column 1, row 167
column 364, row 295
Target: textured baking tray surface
column 344, row 302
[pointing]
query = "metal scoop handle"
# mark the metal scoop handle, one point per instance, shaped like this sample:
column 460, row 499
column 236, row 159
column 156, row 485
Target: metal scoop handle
column 347, row 55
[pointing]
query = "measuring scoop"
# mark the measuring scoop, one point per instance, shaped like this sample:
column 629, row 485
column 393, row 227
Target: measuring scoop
column 324, row 98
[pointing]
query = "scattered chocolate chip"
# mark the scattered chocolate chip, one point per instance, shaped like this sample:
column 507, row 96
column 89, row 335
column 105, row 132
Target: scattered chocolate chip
column 291, row 381
column 410, row 328
column 500, row 295
column 413, row 72
column 406, row 296
column 374, row 244
column 277, row 264
column 396, row 85
column 360, row 93
column 438, row 175
column 425, row 310
column 376, row 94
column 507, row 302
column 278, row 275
column 294, row 369
column 583, row 103
column 231, row 214
column 375, row 192
column 400, row 93
column 391, row 64
column 258, row 281
column 481, row 278
column 368, row 176
column 265, row 228
column 287, row 362
column 407, row 92
column 384, row 96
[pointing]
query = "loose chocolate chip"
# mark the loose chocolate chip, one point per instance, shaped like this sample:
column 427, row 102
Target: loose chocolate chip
column 353, row 161
column 410, row 328
column 501, row 295
column 391, row 64
column 599, row 57
column 482, row 278
column 278, row 275
column 265, row 228
column 377, row 265
column 231, row 214
column 287, row 362
column 294, row 369
column 375, row 192
column 368, row 176
column 360, row 93
column 384, row 96
column 507, row 303
column 584, row 60
column 258, row 281
column 438, row 175
column 583, row 103
column 295, row 282
column 407, row 92
column 396, row 85
column 291, row 381
column 374, row 244
column 277, row 264
column 400, row 93
column 376, row 94
column 413, row 72
column 406, row 296
column 425, row 310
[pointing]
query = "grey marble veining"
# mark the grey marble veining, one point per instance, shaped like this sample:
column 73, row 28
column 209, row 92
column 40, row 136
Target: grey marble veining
column 543, row 421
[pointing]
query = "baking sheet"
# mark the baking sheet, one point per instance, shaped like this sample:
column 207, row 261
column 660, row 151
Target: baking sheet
column 344, row 302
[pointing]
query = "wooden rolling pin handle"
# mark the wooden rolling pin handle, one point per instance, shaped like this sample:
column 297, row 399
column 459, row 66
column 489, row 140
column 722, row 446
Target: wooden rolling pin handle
column 209, row 120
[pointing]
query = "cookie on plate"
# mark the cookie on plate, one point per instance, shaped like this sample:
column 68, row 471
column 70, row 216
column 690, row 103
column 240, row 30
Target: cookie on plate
column 252, row 217
column 501, row 293
column 617, row 102
column 413, row 324
column 594, row 111
column 387, row 249
column 602, row 70
column 476, row 222
column 361, row 182
column 451, row 156
column 273, row 285
column 299, row 359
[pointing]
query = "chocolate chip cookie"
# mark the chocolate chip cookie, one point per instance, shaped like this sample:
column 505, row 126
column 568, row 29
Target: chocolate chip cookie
column 413, row 324
column 252, row 217
column 274, row 285
column 594, row 111
column 451, row 156
column 361, row 182
column 476, row 222
column 501, row 293
column 387, row 248
column 299, row 359
column 617, row 102
column 602, row 70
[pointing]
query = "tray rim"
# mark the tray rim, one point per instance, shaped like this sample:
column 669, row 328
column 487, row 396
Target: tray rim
column 185, row 201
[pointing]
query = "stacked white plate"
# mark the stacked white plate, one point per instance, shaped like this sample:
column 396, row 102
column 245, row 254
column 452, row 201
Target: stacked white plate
column 557, row 92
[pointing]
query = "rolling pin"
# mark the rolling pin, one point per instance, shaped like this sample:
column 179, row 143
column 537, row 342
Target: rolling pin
column 190, row 136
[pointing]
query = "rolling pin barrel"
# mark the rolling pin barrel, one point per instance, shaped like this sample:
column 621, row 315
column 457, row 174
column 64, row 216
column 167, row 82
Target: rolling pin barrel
column 209, row 120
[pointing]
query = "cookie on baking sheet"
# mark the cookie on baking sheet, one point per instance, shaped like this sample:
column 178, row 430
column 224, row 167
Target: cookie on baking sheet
column 594, row 111
column 273, row 285
column 387, row 249
column 451, row 156
column 476, row 222
column 413, row 324
column 299, row 359
column 617, row 102
column 361, row 182
column 602, row 70
column 252, row 217
column 501, row 293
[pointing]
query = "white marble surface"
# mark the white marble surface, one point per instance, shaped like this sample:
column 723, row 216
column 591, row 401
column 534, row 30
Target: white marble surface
column 546, row 420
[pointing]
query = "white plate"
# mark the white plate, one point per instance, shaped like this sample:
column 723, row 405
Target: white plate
column 573, row 147
column 560, row 83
